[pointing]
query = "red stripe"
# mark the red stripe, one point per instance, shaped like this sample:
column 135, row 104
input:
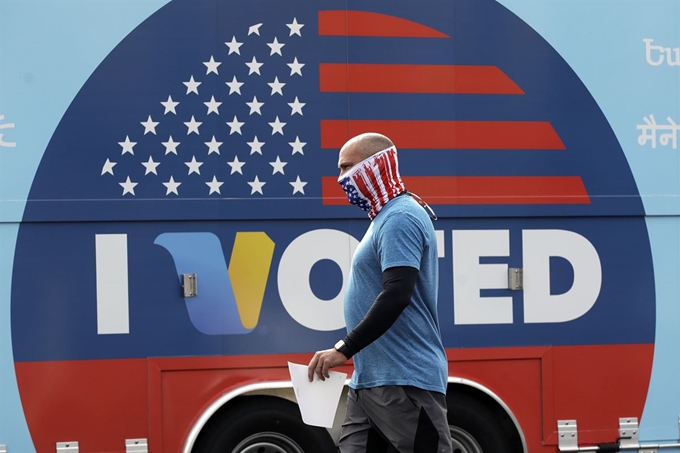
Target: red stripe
column 446, row 134
column 384, row 176
column 393, row 174
column 165, row 396
column 362, row 23
column 361, row 185
column 377, row 197
column 483, row 190
column 409, row 78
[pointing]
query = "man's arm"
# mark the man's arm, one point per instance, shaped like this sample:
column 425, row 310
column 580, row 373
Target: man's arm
column 398, row 285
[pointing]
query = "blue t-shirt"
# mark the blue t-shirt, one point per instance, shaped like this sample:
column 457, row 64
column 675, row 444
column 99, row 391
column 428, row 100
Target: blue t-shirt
column 411, row 351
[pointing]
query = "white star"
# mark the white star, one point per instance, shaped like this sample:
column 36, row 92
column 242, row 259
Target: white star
column 254, row 29
column 236, row 166
column 234, row 46
column 171, row 186
column 256, row 186
column 295, row 27
column 298, row 186
column 297, row 146
column 234, row 86
column 192, row 126
column 213, row 105
column 170, row 106
column 127, row 146
column 255, row 106
column 108, row 167
column 150, row 166
column 235, row 126
column 275, row 47
column 214, row 186
column 194, row 166
column 254, row 66
column 170, row 146
column 277, row 126
column 149, row 125
column 278, row 166
column 211, row 65
column 192, row 85
column 295, row 67
column 128, row 186
column 255, row 146
column 276, row 86
column 296, row 106
column 213, row 146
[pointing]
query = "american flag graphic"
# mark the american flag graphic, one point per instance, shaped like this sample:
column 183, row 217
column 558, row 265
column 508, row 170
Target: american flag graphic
column 237, row 129
column 373, row 182
column 245, row 119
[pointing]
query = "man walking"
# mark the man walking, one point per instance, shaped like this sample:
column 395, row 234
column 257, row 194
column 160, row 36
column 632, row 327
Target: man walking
column 397, row 393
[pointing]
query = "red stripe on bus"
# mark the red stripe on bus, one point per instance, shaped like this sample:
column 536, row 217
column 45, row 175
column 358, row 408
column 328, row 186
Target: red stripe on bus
column 165, row 396
column 411, row 78
column 480, row 190
column 446, row 134
column 362, row 23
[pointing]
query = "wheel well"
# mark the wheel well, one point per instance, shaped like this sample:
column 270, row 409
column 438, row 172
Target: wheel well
column 251, row 403
column 507, row 420
column 242, row 401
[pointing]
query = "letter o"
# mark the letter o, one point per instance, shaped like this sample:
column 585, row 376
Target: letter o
column 296, row 264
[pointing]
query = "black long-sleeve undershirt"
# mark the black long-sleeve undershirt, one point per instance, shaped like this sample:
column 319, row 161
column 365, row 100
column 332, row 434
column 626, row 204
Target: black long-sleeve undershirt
column 398, row 285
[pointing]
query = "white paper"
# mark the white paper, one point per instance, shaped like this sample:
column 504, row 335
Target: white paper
column 318, row 400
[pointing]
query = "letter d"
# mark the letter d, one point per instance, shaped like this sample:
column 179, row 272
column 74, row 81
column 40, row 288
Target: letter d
column 539, row 305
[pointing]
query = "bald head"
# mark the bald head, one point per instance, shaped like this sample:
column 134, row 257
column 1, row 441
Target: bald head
column 360, row 148
column 369, row 143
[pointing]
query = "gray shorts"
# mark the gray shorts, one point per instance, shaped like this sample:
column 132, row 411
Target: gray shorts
column 395, row 419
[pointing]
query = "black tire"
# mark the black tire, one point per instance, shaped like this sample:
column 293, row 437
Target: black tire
column 478, row 428
column 261, row 424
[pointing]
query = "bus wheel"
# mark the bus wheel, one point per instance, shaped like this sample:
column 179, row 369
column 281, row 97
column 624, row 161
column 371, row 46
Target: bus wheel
column 463, row 442
column 478, row 428
column 261, row 424
column 268, row 443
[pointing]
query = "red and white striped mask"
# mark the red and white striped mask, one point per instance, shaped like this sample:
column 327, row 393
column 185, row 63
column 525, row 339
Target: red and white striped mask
column 374, row 181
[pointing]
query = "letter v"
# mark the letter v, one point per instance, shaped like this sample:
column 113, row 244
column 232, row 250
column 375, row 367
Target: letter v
column 214, row 311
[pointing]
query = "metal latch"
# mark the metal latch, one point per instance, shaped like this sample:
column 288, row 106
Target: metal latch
column 67, row 447
column 190, row 285
column 629, row 436
column 136, row 446
column 515, row 278
column 567, row 435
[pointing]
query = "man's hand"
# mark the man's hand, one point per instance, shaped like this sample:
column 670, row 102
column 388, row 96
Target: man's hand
column 323, row 361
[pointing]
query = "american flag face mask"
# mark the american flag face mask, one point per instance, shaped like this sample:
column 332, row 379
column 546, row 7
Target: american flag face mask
column 373, row 182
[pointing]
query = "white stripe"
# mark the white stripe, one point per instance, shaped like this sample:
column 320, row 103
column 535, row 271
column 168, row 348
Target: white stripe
column 113, row 315
column 441, row 250
column 380, row 194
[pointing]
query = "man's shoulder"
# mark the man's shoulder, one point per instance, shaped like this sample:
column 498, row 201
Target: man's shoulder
column 403, row 208
column 405, row 218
